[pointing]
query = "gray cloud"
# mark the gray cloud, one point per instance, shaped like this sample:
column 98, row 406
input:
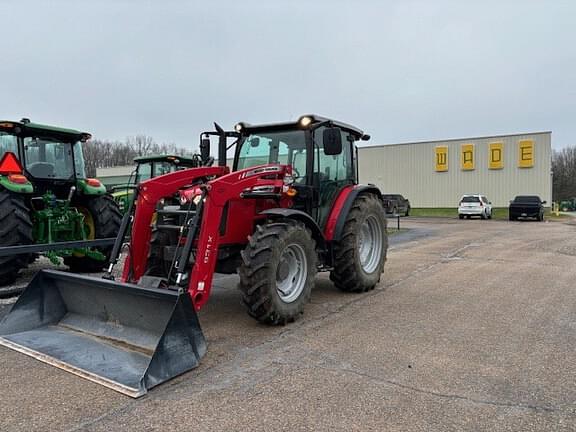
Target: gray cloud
column 401, row 70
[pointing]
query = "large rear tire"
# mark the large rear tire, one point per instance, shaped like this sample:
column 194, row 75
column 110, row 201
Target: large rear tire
column 15, row 230
column 103, row 219
column 277, row 273
column 360, row 255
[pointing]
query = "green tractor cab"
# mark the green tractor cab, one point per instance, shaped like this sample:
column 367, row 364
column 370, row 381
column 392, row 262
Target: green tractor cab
column 148, row 167
column 47, row 203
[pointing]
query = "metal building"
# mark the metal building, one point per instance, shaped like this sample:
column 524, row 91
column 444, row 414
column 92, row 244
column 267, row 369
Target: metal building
column 438, row 173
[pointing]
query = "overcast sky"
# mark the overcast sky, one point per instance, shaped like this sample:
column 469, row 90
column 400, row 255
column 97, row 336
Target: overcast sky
column 400, row 70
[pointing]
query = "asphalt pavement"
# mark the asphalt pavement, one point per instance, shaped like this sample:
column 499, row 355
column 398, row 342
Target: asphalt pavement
column 473, row 328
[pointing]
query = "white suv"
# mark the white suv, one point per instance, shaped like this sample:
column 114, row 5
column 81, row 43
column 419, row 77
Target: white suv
column 475, row 205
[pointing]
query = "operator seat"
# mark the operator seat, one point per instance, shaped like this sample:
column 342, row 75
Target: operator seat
column 41, row 169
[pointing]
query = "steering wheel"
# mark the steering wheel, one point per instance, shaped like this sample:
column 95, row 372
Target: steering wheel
column 295, row 174
column 209, row 162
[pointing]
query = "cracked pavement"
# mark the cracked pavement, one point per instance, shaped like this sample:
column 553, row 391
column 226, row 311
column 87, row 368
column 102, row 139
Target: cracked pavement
column 473, row 328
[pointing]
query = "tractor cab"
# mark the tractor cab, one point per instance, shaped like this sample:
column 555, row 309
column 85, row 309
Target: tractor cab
column 148, row 167
column 320, row 151
column 151, row 166
column 50, row 158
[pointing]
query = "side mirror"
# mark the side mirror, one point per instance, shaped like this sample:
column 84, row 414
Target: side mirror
column 205, row 149
column 543, row 202
column 332, row 139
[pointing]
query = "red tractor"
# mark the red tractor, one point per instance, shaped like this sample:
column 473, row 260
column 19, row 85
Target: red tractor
column 290, row 206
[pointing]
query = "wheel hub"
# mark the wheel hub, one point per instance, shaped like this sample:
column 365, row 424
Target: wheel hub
column 291, row 273
column 370, row 244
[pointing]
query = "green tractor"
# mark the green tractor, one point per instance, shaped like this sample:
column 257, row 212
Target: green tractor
column 47, row 204
column 148, row 167
column 568, row 205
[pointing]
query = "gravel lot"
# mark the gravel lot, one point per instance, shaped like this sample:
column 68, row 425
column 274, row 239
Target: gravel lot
column 472, row 328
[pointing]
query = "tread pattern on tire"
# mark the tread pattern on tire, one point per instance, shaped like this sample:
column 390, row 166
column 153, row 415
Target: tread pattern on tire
column 15, row 229
column 347, row 274
column 107, row 219
column 258, row 274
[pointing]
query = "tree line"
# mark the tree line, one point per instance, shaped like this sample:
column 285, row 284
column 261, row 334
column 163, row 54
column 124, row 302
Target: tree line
column 564, row 174
column 105, row 154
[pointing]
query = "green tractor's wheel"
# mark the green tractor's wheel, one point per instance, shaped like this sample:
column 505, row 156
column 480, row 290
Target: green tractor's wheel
column 15, row 229
column 102, row 219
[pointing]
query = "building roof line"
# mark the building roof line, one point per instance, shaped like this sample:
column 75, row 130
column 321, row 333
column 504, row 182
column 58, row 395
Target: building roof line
column 456, row 139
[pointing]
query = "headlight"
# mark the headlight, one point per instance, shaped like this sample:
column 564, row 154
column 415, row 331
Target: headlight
column 305, row 121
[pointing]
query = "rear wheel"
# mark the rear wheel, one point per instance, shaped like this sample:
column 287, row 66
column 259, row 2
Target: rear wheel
column 102, row 219
column 278, row 267
column 360, row 255
column 15, row 229
column 407, row 211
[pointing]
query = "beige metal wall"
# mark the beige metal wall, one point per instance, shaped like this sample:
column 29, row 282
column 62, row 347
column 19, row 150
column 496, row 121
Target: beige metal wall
column 410, row 169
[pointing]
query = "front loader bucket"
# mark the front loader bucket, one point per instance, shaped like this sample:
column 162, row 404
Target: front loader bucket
column 119, row 335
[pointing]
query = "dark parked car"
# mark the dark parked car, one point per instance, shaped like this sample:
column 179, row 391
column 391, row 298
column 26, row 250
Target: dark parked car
column 396, row 204
column 526, row 206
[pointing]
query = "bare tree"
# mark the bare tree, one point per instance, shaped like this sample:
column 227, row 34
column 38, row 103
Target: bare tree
column 105, row 154
column 141, row 144
column 564, row 173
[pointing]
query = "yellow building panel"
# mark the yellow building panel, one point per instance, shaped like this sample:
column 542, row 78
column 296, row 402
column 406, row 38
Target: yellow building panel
column 467, row 157
column 496, row 156
column 525, row 154
column 441, row 153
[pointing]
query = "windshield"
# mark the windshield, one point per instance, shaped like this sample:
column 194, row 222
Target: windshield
column 8, row 143
column 144, row 171
column 161, row 168
column 53, row 159
column 527, row 199
column 285, row 147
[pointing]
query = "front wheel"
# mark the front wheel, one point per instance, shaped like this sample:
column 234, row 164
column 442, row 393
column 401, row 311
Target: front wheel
column 360, row 255
column 102, row 219
column 278, row 267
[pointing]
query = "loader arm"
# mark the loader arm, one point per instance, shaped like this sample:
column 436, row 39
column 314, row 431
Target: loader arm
column 149, row 193
column 266, row 181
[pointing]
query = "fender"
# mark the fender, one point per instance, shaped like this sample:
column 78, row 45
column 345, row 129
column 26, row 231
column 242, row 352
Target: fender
column 342, row 206
column 302, row 217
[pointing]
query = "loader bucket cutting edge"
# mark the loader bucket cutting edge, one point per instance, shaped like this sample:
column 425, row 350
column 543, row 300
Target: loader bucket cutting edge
column 122, row 336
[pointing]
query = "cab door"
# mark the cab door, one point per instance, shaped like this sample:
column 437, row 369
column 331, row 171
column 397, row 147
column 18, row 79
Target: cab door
column 331, row 173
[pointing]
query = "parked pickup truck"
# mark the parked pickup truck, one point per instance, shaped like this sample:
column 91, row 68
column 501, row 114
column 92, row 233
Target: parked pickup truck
column 526, row 206
column 396, row 204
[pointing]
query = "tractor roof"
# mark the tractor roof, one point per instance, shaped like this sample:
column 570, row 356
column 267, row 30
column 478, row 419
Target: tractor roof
column 26, row 128
column 176, row 159
column 304, row 122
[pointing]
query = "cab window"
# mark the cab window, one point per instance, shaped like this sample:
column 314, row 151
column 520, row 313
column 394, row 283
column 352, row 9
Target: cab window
column 46, row 158
column 8, row 143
